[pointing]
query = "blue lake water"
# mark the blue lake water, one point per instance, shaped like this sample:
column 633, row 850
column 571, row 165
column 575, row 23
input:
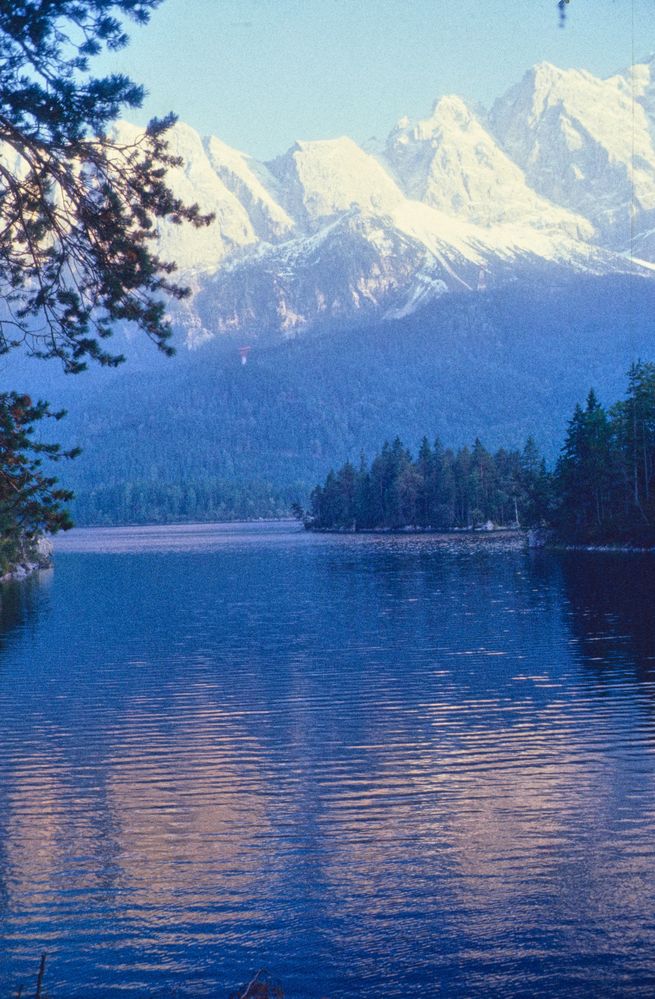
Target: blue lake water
column 376, row 766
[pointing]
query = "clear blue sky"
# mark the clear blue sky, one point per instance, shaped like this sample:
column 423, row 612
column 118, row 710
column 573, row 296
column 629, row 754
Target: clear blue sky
column 262, row 73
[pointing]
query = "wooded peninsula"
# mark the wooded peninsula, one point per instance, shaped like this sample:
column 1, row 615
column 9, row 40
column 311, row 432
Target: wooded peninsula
column 601, row 490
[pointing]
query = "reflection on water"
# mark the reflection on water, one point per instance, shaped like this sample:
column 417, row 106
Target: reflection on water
column 374, row 765
column 612, row 611
column 21, row 601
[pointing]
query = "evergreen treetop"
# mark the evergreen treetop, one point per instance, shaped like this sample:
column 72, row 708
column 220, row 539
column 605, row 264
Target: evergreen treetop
column 78, row 209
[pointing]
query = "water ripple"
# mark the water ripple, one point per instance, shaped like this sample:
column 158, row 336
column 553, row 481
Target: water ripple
column 376, row 765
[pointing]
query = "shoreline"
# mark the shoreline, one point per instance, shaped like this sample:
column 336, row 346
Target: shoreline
column 23, row 570
column 182, row 523
column 419, row 531
column 607, row 548
column 526, row 534
column 40, row 557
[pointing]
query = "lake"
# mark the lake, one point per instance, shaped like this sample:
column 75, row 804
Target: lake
column 374, row 765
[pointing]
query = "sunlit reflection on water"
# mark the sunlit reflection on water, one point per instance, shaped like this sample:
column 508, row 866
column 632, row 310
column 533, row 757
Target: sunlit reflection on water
column 375, row 765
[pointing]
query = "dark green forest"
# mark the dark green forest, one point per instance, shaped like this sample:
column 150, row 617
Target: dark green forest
column 604, row 481
column 440, row 489
column 601, row 489
column 207, row 499
column 201, row 437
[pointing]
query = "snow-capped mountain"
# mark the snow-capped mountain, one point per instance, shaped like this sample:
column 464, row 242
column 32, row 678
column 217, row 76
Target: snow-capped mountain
column 450, row 161
column 254, row 187
column 587, row 144
column 197, row 181
column 367, row 266
column 559, row 175
column 321, row 180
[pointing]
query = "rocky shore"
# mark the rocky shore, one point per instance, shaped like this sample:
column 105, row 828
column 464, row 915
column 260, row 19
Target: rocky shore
column 37, row 556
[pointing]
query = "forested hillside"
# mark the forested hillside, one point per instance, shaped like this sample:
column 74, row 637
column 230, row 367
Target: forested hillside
column 201, row 436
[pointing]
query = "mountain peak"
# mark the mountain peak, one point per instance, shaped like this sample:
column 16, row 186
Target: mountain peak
column 255, row 188
column 446, row 109
column 543, row 75
column 341, row 142
column 324, row 177
column 450, row 162
column 584, row 142
column 451, row 108
column 545, row 69
column 330, row 229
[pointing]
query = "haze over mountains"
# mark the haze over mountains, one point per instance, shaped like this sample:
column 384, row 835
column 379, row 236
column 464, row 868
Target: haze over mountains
column 560, row 173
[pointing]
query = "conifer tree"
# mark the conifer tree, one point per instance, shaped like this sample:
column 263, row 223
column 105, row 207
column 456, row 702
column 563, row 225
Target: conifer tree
column 443, row 487
column 78, row 211
column 584, row 472
column 425, row 469
column 639, row 434
column 30, row 501
column 363, row 494
column 439, row 490
column 536, row 486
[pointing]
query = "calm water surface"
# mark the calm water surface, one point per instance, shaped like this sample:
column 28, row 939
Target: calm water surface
column 377, row 766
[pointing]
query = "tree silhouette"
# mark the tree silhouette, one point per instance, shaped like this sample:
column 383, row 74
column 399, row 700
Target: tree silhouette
column 78, row 208
column 30, row 502
column 78, row 221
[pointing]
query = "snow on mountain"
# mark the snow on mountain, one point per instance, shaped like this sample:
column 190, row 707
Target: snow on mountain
column 452, row 163
column 348, row 267
column 319, row 180
column 641, row 76
column 577, row 138
column 252, row 184
column 365, row 265
column 329, row 234
column 196, row 181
